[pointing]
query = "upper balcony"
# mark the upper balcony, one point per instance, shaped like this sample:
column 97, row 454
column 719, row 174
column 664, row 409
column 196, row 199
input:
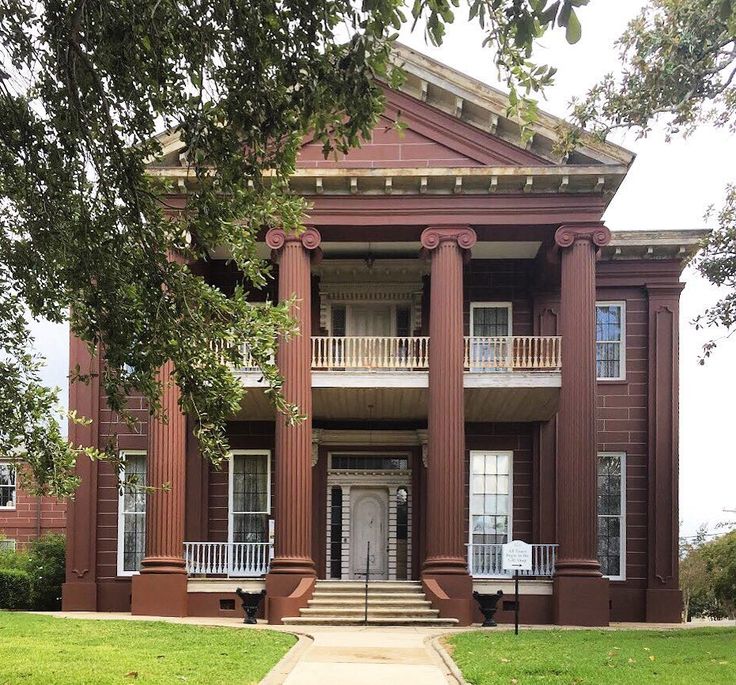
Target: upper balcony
column 507, row 378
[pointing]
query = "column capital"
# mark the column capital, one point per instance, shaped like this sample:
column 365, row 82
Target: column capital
column 596, row 233
column 310, row 238
column 463, row 236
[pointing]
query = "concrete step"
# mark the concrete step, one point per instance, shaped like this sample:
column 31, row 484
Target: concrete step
column 378, row 612
column 373, row 586
column 372, row 621
column 320, row 600
column 372, row 596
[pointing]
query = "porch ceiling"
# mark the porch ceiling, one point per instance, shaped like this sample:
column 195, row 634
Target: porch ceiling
column 517, row 396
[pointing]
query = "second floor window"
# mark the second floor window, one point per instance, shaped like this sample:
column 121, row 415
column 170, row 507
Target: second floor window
column 7, row 486
column 610, row 340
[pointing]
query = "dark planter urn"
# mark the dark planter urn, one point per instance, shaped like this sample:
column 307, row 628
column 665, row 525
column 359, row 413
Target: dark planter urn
column 251, row 602
column 488, row 604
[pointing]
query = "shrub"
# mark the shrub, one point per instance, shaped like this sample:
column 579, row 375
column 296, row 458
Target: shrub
column 16, row 559
column 16, row 589
column 46, row 566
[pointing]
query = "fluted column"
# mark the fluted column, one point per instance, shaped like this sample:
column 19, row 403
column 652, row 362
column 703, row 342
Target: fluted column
column 165, row 471
column 160, row 589
column 293, row 477
column 581, row 594
column 445, row 522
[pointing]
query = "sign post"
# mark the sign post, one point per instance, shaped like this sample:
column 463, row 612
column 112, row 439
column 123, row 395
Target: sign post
column 516, row 556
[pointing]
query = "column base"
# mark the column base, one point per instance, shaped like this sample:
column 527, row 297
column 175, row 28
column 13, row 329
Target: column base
column 664, row 606
column 79, row 596
column 159, row 594
column 287, row 593
column 451, row 593
column 581, row 600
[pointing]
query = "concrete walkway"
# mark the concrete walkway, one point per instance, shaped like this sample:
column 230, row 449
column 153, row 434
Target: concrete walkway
column 366, row 656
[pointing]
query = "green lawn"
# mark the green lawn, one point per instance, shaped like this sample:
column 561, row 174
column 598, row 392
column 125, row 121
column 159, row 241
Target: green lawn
column 596, row 657
column 48, row 651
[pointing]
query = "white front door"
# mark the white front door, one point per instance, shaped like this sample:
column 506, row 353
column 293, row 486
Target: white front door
column 369, row 525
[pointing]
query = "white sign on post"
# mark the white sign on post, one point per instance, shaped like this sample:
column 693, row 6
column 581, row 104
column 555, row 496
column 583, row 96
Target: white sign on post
column 516, row 556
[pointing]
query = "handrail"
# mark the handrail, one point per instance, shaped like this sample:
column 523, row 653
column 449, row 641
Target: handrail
column 384, row 353
column 485, row 561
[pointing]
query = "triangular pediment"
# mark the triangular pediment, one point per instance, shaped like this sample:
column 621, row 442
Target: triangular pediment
column 427, row 137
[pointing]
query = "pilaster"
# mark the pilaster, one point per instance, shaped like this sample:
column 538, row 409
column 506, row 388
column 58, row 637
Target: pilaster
column 664, row 598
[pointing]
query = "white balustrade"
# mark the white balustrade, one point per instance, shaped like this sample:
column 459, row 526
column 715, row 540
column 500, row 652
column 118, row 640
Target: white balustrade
column 234, row 559
column 333, row 353
column 513, row 352
column 484, row 561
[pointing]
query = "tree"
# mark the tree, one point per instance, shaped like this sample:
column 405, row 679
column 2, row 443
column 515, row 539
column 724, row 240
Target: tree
column 679, row 68
column 85, row 233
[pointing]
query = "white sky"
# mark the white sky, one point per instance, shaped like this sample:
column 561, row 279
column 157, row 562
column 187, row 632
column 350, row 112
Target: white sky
column 669, row 187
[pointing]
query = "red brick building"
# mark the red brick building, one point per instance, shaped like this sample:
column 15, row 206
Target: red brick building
column 480, row 360
column 25, row 517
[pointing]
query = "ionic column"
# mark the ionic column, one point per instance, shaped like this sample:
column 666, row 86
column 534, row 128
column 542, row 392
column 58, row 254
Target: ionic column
column 292, row 563
column 161, row 587
column 581, row 593
column 446, row 563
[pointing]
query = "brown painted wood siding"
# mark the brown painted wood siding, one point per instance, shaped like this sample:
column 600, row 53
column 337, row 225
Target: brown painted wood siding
column 622, row 426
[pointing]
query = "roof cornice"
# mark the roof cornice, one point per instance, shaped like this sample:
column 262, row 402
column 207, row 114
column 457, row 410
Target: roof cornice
column 485, row 107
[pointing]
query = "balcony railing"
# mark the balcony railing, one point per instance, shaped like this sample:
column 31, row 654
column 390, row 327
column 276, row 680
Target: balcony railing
column 411, row 353
column 513, row 352
column 370, row 353
column 234, row 559
column 484, row 561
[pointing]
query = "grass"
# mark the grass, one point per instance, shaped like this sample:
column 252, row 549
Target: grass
column 596, row 657
column 43, row 650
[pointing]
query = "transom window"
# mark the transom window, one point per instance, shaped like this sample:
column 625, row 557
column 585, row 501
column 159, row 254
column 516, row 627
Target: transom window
column 612, row 514
column 490, row 497
column 610, row 346
column 250, row 496
column 7, row 486
column 132, row 513
column 369, row 462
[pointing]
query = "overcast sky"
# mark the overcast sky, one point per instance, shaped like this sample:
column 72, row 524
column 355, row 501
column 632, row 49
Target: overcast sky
column 669, row 187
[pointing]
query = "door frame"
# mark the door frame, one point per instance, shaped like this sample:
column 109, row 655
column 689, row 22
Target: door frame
column 392, row 481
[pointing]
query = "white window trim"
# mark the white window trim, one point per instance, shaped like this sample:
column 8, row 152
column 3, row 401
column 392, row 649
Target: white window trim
column 622, row 552
column 622, row 364
column 510, row 455
column 230, row 484
column 121, row 514
column 11, row 507
column 499, row 305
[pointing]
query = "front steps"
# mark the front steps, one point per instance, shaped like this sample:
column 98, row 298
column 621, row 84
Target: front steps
column 390, row 603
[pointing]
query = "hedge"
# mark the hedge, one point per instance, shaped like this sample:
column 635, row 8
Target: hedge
column 16, row 589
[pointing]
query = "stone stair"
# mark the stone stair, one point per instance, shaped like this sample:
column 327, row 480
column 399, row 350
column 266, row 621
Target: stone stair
column 390, row 603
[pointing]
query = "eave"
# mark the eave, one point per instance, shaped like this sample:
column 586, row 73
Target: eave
column 580, row 179
column 656, row 245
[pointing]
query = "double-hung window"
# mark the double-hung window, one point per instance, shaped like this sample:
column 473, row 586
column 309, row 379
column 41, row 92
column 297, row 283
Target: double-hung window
column 7, row 486
column 250, row 496
column 132, row 513
column 490, row 497
column 612, row 514
column 610, row 340
column 490, row 328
